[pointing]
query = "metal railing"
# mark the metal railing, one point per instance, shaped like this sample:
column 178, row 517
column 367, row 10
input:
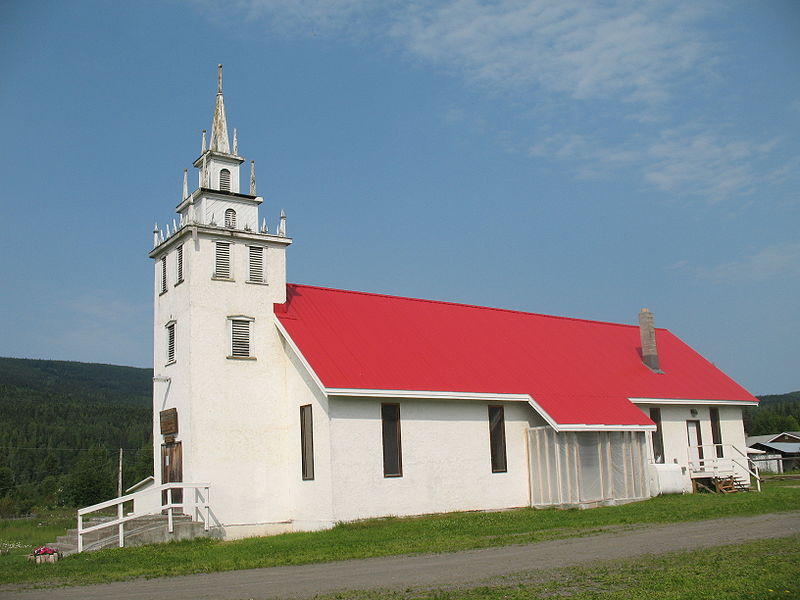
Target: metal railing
column 717, row 465
column 200, row 504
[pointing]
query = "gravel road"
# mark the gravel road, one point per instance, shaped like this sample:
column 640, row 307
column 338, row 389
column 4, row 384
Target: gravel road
column 460, row 568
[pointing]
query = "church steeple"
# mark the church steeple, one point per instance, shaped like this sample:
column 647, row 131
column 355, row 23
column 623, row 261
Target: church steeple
column 219, row 126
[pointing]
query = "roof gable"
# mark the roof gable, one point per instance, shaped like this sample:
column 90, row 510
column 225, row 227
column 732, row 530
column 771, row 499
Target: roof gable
column 578, row 371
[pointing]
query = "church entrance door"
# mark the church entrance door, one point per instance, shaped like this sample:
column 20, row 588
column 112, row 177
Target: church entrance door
column 172, row 469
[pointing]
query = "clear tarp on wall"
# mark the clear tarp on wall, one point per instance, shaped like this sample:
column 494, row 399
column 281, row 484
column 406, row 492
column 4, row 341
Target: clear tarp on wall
column 587, row 466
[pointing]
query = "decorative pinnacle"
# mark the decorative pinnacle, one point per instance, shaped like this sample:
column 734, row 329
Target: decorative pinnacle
column 219, row 79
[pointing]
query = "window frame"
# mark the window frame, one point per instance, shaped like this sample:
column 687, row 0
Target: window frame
column 250, row 279
column 164, row 283
column 657, row 438
column 716, row 431
column 172, row 341
column 229, row 217
column 307, row 442
column 497, row 438
column 218, row 244
column 179, row 264
column 233, row 322
column 391, row 440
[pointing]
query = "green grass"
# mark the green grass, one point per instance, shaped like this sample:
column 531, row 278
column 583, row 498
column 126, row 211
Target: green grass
column 378, row 537
column 763, row 570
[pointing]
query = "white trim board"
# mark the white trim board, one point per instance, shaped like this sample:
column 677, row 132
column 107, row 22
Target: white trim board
column 688, row 402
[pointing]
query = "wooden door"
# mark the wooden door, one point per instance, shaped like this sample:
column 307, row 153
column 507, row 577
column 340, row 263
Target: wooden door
column 172, row 469
column 695, row 441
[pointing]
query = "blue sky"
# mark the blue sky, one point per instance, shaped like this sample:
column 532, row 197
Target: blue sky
column 558, row 157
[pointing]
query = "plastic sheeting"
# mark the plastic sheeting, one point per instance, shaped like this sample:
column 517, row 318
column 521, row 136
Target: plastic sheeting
column 586, row 467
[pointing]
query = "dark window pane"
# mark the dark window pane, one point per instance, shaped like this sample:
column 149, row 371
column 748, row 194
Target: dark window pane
column 497, row 439
column 658, row 438
column 392, row 461
column 307, row 441
column 716, row 433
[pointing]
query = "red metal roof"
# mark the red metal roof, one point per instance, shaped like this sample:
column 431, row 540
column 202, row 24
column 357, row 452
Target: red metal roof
column 578, row 371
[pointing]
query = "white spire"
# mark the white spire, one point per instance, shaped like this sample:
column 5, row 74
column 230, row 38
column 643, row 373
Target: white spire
column 252, row 178
column 282, row 226
column 155, row 235
column 264, row 225
column 174, row 226
column 235, row 141
column 203, row 144
column 219, row 126
column 185, row 184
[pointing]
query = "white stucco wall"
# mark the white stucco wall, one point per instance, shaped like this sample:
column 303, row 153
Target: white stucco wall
column 676, row 440
column 446, row 460
column 234, row 423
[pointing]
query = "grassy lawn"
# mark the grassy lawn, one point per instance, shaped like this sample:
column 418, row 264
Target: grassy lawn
column 759, row 570
column 378, row 537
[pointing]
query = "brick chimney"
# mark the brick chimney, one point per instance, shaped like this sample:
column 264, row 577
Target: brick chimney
column 647, row 332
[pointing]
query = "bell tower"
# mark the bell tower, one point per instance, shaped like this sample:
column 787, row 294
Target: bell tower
column 217, row 355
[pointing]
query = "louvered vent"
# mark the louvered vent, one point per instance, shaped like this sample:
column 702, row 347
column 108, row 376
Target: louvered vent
column 225, row 180
column 223, row 262
column 171, row 343
column 230, row 218
column 163, row 274
column 256, row 264
column 179, row 264
column 240, row 338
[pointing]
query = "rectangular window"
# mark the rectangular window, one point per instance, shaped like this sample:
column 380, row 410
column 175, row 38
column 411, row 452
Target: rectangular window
column 307, row 442
column 658, row 436
column 240, row 338
column 179, row 264
column 392, row 455
column 497, row 439
column 716, row 432
column 256, row 264
column 163, row 274
column 222, row 266
column 171, row 343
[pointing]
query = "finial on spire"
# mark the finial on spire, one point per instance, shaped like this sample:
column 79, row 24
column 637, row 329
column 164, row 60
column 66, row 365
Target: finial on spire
column 264, row 225
column 185, row 184
column 252, row 178
column 235, row 142
column 219, row 126
column 203, row 146
column 155, row 235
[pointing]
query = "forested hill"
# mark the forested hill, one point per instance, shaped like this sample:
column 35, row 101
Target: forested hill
column 53, row 414
column 84, row 381
column 775, row 413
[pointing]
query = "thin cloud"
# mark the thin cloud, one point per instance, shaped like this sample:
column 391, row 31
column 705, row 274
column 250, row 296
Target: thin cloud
column 630, row 52
column 686, row 161
column 781, row 260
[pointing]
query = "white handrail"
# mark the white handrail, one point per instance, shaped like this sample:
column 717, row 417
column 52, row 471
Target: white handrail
column 200, row 501
column 716, row 461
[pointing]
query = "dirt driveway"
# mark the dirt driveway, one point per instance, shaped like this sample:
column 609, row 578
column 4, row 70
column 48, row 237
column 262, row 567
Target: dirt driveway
column 461, row 568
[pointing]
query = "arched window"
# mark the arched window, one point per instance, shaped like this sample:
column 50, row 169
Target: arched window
column 230, row 218
column 225, row 180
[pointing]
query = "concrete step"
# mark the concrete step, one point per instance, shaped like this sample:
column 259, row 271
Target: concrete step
column 147, row 529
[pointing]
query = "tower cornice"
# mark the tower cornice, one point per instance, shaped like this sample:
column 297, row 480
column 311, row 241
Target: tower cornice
column 192, row 231
column 216, row 194
column 223, row 156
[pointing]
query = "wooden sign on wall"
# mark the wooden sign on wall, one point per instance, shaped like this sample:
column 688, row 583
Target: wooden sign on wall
column 169, row 421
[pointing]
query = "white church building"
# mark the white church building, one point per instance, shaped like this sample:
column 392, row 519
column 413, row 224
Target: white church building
column 281, row 407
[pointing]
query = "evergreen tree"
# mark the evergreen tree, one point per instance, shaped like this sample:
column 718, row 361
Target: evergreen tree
column 92, row 480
